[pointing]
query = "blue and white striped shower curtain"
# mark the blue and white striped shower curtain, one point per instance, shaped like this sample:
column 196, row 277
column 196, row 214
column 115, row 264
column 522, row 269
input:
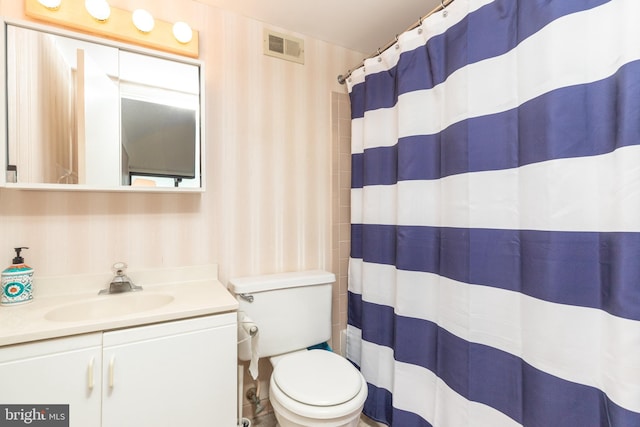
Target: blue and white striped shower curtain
column 495, row 259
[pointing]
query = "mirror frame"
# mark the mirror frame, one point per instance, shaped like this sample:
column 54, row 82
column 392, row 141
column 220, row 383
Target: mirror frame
column 105, row 42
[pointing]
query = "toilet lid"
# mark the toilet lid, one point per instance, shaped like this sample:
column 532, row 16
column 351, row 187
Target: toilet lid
column 317, row 377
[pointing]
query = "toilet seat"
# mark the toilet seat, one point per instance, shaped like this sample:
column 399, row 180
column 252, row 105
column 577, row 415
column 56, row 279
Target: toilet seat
column 283, row 402
column 317, row 377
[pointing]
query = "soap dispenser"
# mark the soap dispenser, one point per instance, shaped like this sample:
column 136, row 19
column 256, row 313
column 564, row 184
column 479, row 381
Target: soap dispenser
column 17, row 281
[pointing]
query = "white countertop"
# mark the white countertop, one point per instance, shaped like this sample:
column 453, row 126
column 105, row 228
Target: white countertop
column 191, row 291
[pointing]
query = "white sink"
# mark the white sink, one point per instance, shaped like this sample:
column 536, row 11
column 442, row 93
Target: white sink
column 109, row 306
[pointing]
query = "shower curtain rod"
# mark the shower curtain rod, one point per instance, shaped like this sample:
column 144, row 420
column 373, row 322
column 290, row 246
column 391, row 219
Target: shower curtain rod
column 443, row 4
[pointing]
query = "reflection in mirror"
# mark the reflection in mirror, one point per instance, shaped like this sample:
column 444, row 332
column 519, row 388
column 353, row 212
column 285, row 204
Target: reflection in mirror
column 84, row 113
column 160, row 121
column 45, row 120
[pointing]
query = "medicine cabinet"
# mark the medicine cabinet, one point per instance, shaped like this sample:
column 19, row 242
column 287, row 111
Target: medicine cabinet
column 82, row 113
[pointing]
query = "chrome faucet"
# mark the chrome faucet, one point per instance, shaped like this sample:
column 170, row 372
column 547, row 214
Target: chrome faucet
column 120, row 282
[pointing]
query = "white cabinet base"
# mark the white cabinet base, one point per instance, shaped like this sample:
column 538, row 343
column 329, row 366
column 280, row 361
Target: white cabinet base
column 179, row 373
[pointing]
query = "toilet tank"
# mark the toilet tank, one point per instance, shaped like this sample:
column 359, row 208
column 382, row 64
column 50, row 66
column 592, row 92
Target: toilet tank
column 292, row 310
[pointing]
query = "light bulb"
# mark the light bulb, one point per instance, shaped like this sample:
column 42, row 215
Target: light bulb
column 50, row 4
column 99, row 9
column 182, row 32
column 143, row 20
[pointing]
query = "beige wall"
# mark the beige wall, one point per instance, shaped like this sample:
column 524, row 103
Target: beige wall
column 267, row 207
column 340, row 241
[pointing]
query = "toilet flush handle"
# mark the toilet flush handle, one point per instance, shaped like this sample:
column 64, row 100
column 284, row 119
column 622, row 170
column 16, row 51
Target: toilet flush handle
column 246, row 297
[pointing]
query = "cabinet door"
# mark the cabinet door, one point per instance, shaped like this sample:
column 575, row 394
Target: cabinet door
column 179, row 373
column 58, row 371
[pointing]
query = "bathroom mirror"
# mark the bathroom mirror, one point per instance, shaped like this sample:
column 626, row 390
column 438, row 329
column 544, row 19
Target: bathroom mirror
column 85, row 114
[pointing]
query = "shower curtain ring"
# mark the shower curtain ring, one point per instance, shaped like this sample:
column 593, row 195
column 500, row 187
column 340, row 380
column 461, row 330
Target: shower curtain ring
column 444, row 9
column 379, row 57
column 397, row 44
column 420, row 25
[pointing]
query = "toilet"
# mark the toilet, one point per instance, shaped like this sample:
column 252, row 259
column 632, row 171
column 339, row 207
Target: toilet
column 292, row 311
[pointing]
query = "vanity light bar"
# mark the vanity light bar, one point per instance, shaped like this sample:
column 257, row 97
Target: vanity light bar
column 96, row 17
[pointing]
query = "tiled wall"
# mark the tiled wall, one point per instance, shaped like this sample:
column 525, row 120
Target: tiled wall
column 340, row 212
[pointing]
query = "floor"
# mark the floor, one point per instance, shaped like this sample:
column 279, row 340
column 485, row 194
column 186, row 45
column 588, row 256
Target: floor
column 270, row 421
column 366, row 422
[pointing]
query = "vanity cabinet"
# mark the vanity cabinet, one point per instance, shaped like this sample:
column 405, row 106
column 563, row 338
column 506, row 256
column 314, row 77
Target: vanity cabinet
column 174, row 373
column 104, row 116
column 59, row 371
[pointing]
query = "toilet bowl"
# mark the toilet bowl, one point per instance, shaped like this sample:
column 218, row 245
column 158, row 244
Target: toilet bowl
column 316, row 388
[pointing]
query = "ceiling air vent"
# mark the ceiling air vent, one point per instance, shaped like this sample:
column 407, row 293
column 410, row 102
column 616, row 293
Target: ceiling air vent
column 283, row 46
